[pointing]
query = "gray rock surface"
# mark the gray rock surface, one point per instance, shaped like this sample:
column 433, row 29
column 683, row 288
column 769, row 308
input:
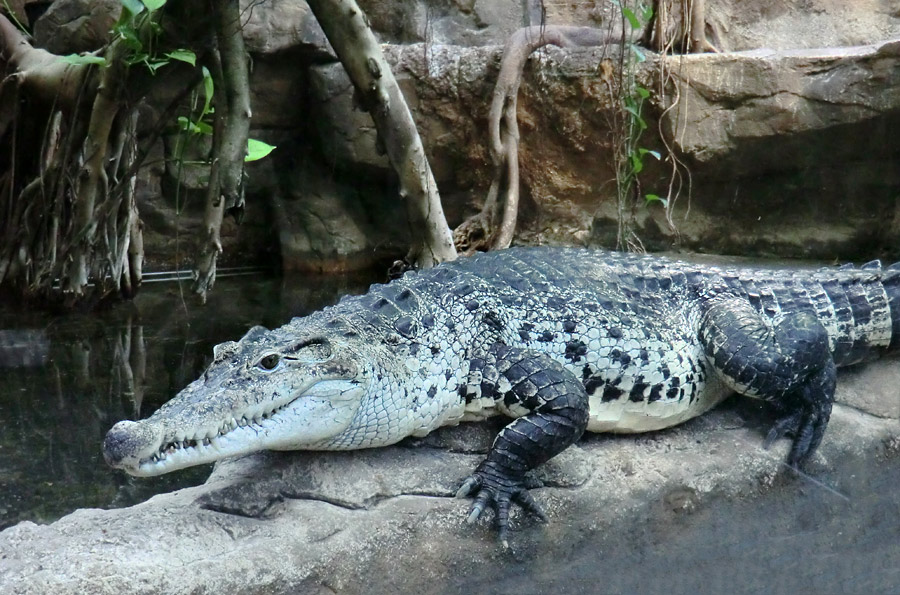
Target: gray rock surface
column 727, row 100
column 278, row 25
column 74, row 26
column 698, row 506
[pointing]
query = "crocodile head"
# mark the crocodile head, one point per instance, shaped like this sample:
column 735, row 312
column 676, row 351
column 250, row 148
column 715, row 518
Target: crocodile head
column 297, row 387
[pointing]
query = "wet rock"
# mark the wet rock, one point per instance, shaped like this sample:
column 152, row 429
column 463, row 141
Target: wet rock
column 278, row 25
column 327, row 223
column 74, row 26
column 347, row 132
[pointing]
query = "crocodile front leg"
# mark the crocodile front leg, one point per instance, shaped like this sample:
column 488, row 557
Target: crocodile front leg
column 787, row 363
column 551, row 406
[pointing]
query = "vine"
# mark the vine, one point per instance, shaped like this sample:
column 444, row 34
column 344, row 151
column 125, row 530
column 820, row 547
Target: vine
column 628, row 124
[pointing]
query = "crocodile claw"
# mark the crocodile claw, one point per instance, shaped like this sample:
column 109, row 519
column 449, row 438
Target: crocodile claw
column 498, row 491
column 805, row 416
column 806, row 428
column 787, row 424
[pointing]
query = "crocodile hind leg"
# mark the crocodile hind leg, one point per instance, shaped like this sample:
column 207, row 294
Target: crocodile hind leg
column 551, row 409
column 787, row 362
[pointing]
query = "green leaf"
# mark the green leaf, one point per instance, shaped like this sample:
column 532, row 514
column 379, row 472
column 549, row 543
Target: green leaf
column 649, row 152
column 79, row 60
column 155, row 65
column 183, row 56
column 636, row 164
column 154, row 4
column 137, row 58
column 135, row 7
column 194, row 127
column 644, row 93
column 656, row 198
column 638, row 53
column 647, row 12
column 256, row 149
column 208, row 88
column 129, row 36
column 632, row 18
column 631, row 109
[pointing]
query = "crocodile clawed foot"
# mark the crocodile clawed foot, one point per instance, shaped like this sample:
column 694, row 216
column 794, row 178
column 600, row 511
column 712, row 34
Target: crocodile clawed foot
column 498, row 489
column 786, row 424
column 805, row 416
column 806, row 427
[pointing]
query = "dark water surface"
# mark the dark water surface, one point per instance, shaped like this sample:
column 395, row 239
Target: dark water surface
column 65, row 380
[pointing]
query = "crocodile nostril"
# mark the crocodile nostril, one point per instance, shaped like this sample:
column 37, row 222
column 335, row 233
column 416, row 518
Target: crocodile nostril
column 127, row 440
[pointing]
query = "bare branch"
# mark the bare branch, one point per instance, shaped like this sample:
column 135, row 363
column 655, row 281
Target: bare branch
column 347, row 30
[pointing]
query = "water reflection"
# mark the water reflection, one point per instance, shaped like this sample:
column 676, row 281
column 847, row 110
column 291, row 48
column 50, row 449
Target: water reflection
column 65, row 380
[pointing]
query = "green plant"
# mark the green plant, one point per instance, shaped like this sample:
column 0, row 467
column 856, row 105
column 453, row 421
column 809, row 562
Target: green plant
column 629, row 126
column 199, row 125
column 139, row 31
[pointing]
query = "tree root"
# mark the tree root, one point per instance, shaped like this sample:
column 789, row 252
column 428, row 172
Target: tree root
column 494, row 227
column 682, row 27
column 225, row 192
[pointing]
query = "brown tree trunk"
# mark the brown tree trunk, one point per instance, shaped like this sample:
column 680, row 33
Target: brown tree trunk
column 681, row 27
column 699, row 44
column 236, row 87
column 347, row 30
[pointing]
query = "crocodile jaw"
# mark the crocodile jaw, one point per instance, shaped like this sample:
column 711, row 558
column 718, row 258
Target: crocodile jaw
column 160, row 444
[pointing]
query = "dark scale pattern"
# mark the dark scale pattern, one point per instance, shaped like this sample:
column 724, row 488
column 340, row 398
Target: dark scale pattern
column 563, row 339
column 553, row 409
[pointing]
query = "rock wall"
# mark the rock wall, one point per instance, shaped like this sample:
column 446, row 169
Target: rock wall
column 787, row 151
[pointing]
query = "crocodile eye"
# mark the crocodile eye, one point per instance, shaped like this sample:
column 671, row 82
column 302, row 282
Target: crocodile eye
column 270, row 362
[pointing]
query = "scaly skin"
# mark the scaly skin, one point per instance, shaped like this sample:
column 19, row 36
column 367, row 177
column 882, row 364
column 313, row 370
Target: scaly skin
column 561, row 339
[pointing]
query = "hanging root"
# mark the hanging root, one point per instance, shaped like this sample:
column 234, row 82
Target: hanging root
column 494, row 226
column 683, row 27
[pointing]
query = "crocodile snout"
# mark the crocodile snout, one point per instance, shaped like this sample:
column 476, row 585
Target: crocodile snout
column 127, row 442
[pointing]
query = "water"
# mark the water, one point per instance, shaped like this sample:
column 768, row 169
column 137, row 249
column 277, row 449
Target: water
column 65, row 380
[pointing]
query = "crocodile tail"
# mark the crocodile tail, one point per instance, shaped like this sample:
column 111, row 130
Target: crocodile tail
column 891, row 281
column 865, row 303
column 858, row 306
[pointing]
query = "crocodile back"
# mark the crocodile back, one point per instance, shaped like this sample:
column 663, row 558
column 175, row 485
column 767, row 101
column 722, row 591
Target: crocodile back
column 858, row 306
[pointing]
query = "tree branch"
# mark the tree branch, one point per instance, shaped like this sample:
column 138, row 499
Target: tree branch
column 236, row 85
column 347, row 30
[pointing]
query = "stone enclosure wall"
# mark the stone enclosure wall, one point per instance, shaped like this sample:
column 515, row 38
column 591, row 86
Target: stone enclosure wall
column 788, row 138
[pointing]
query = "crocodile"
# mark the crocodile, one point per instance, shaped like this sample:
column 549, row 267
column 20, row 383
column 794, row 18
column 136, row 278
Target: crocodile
column 561, row 340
